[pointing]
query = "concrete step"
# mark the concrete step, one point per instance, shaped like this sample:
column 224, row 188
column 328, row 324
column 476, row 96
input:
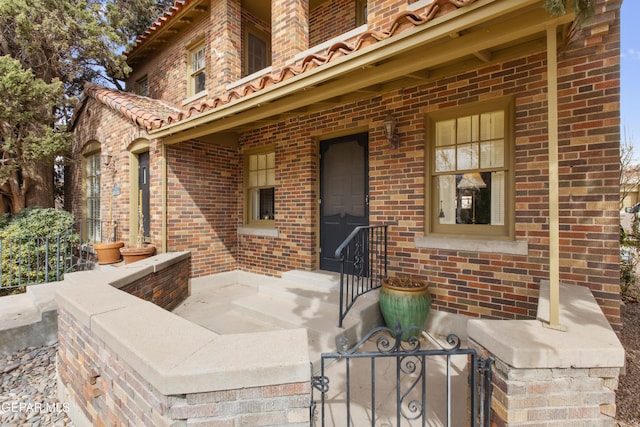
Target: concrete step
column 303, row 305
column 322, row 279
column 241, row 302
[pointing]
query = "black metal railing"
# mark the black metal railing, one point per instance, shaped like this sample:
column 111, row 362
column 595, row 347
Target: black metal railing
column 363, row 264
column 385, row 381
column 29, row 261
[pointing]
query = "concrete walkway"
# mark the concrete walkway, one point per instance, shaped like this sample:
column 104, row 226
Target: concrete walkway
column 245, row 303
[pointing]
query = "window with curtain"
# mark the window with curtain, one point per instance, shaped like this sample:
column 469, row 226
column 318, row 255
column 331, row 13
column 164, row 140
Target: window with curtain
column 260, row 180
column 470, row 169
column 92, row 191
column 197, row 69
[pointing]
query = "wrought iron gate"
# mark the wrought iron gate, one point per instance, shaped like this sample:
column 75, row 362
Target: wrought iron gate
column 420, row 382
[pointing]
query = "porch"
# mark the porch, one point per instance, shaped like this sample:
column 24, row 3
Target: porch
column 120, row 356
column 243, row 303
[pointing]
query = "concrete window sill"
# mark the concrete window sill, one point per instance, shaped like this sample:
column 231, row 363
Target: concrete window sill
column 258, row 231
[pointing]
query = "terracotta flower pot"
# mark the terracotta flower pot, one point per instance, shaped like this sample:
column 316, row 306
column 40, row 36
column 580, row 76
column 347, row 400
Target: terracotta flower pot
column 108, row 253
column 136, row 253
column 407, row 302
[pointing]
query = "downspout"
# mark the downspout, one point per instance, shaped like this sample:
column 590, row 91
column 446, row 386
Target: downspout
column 554, row 228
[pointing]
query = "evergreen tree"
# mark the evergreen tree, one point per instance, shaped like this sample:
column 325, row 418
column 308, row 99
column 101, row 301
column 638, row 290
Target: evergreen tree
column 58, row 45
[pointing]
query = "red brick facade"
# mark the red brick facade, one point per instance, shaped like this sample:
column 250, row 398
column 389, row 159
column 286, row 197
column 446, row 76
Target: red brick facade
column 205, row 199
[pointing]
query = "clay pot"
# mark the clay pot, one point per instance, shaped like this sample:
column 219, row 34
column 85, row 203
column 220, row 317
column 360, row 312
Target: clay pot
column 136, row 253
column 108, row 253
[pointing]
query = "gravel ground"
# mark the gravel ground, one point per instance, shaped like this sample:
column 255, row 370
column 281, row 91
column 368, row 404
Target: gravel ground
column 28, row 389
column 628, row 394
column 28, row 383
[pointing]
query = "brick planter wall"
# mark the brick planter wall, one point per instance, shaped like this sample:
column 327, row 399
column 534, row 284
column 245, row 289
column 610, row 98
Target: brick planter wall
column 554, row 397
column 126, row 361
column 104, row 389
column 553, row 377
column 166, row 288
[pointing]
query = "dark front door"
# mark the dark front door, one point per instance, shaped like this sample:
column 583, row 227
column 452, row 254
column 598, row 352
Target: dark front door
column 143, row 193
column 343, row 192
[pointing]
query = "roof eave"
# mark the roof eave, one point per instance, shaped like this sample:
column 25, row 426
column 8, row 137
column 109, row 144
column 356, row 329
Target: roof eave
column 380, row 62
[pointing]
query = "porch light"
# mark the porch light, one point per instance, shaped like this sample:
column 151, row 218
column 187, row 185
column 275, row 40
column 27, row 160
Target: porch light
column 106, row 158
column 391, row 131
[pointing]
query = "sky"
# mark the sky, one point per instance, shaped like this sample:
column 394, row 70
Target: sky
column 630, row 74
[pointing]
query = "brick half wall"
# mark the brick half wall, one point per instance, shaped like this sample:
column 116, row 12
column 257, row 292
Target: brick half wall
column 125, row 360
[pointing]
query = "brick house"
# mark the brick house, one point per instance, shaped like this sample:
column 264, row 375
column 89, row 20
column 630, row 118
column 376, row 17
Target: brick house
column 255, row 132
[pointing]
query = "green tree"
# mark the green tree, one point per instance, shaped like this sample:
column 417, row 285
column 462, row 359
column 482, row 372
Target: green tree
column 28, row 141
column 60, row 43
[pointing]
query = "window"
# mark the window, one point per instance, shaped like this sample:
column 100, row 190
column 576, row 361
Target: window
column 470, row 170
column 92, row 191
column 142, row 86
column 361, row 12
column 197, row 69
column 260, row 188
column 257, row 51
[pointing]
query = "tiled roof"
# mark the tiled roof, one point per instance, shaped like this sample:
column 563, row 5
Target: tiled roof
column 146, row 112
column 163, row 20
column 154, row 114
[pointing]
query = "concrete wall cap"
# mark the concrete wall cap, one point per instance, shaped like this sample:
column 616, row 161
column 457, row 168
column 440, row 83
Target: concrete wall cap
column 177, row 356
column 243, row 361
column 91, row 299
column 43, row 296
column 588, row 342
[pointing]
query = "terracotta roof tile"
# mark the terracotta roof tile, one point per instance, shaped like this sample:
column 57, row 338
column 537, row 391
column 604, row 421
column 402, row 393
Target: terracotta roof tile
column 154, row 114
column 163, row 20
column 146, row 112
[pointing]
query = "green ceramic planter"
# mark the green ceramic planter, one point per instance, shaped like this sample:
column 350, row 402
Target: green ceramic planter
column 407, row 305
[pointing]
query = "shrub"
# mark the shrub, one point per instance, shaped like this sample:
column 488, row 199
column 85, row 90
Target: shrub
column 35, row 245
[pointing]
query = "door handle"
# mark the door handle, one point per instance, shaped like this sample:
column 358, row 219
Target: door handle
column 366, row 200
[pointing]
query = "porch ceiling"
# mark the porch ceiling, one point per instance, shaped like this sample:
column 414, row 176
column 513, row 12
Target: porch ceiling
column 476, row 35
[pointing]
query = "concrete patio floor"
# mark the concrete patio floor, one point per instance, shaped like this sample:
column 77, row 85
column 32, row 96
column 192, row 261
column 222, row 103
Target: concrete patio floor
column 254, row 305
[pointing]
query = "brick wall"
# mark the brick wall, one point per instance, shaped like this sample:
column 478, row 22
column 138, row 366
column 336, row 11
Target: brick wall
column 289, row 30
column 202, row 213
column 115, row 135
column 330, row 19
column 553, row 397
column 206, row 201
column 166, row 288
column 223, row 28
column 226, row 59
column 100, row 385
column 466, row 282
